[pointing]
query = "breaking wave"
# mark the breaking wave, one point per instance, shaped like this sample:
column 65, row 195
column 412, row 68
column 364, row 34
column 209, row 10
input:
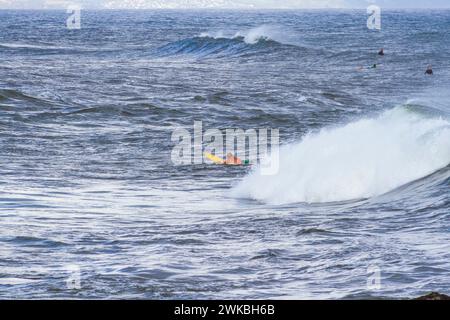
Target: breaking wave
column 219, row 44
column 362, row 159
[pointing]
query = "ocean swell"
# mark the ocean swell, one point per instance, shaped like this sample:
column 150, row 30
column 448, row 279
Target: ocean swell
column 218, row 44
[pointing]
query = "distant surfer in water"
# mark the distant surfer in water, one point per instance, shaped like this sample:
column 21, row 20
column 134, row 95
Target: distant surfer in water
column 374, row 66
column 429, row 70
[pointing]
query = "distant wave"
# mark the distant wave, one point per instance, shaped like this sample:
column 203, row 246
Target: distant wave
column 362, row 159
column 220, row 45
column 52, row 49
column 31, row 46
column 17, row 95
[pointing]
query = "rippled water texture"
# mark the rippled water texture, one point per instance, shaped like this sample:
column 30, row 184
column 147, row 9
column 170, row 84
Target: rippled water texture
column 87, row 182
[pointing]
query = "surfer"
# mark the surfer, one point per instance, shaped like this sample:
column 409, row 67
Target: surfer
column 230, row 160
column 429, row 70
column 233, row 160
column 381, row 52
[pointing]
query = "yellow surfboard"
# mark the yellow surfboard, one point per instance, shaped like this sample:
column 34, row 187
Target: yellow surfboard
column 214, row 158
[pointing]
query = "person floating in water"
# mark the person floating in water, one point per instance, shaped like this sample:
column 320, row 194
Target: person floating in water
column 232, row 160
column 381, row 52
column 429, row 70
column 374, row 66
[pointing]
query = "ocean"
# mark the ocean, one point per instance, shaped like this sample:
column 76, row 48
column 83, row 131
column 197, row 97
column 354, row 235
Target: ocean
column 93, row 207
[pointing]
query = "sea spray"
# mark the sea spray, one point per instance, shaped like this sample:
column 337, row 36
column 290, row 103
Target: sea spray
column 362, row 159
column 253, row 35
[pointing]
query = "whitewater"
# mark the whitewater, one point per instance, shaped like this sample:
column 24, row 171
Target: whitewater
column 362, row 159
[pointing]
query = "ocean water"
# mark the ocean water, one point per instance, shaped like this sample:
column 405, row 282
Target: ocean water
column 88, row 190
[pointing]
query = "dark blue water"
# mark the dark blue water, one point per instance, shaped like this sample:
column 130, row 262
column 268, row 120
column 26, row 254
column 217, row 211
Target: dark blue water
column 86, row 177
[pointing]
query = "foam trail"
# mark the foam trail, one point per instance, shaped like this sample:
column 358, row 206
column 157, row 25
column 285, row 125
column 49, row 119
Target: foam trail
column 362, row 159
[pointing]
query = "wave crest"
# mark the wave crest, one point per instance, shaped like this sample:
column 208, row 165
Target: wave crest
column 360, row 160
column 220, row 45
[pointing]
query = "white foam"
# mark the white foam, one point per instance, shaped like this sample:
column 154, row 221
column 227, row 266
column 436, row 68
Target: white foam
column 362, row 159
column 216, row 35
column 251, row 36
column 264, row 32
column 15, row 281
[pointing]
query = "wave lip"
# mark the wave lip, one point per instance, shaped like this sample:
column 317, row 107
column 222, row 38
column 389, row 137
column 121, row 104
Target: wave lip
column 362, row 159
column 252, row 36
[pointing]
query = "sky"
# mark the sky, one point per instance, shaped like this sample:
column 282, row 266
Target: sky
column 199, row 4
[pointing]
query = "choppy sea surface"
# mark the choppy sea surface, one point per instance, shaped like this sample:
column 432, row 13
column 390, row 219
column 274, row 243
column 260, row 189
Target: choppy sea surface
column 88, row 189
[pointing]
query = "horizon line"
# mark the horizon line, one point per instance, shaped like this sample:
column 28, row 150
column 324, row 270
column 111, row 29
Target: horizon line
column 221, row 8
